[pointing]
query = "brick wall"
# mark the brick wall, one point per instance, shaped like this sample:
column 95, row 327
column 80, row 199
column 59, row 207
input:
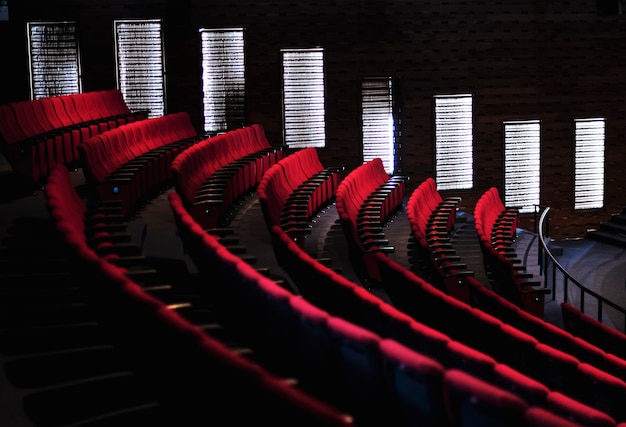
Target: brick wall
column 553, row 61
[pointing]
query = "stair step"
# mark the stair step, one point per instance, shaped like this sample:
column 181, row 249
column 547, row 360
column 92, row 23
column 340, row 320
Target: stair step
column 237, row 249
column 619, row 218
column 613, row 227
column 221, row 231
column 228, row 241
column 607, row 237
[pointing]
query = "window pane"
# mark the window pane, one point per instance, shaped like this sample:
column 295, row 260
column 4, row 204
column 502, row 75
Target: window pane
column 303, row 98
column 522, row 165
column 54, row 59
column 140, row 65
column 378, row 122
column 223, row 79
column 589, row 164
column 454, row 168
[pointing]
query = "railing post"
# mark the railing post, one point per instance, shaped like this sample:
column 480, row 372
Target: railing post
column 553, row 281
column 582, row 300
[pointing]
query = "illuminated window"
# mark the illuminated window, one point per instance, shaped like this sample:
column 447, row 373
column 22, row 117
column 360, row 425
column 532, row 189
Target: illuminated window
column 378, row 121
column 223, row 79
column 522, row 164
column 303, row 98
column 589, row 163
column 54, row 59
column 141, row 65
column 454, row 146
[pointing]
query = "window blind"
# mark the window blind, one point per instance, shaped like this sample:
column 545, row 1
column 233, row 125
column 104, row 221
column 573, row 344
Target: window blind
column 378, row 124
column 589, row 163
column 54, row 59
column 223, row 79
column 141, row 65
column 454, row 146
column 522, row 164
column 303, row 98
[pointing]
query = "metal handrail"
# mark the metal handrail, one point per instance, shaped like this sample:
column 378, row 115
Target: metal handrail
column 545, row 254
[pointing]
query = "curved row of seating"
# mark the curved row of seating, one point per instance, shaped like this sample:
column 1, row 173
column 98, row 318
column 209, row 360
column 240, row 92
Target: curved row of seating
column 590, row 329
column 187, row 376
column 366, row 199
column 465, row 359
column 362, row 357
column 432, row 219
column 493, row 303
column 37, row 134
column 548, row 354
column 561, row 339
column 496, row 226
column 131, row 163
column 435, row 336
column 480, row 331
column 294, row 190
column 219, row 170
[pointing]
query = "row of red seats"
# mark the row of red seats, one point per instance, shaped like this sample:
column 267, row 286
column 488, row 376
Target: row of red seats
column 496, row 227
column 593, row 330
column 294, row 190
column 216, row 172
column 330, row 291
column 432, row 218
column 192, row 376
column 325, row 288
column 586, row 351
column 35, row 135
column 553, row 396
column 362, row 367
column 366, row 199
column 549, row 355
column 131, row 163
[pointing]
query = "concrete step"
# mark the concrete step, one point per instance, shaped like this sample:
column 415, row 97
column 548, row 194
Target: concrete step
column 602, row 235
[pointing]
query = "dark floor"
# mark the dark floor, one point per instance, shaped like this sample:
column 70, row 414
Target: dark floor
column 23, row 219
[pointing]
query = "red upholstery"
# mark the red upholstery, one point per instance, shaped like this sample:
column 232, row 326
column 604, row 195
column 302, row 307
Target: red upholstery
column 432, row 220
column 359, row 370
column 416, row 383
column 366, row 198
column 603, row 391
column 131, row 163
column 532, row 391
column 496, row 226
column 181, row 360
column 294, row 190
column 537, row 416
column 217, row 171
column 36, row 135
column 361, row 308
column 577, row 412
column 590, row 329
column 473, row 402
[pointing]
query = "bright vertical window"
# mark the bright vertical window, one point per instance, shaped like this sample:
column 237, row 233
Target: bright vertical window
column 589, row 163
column 54, row 59
column 304, row 112
column 141, row 64
column 378, row 122
column 223, row 79
column 522, row 164
column 454, row 142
